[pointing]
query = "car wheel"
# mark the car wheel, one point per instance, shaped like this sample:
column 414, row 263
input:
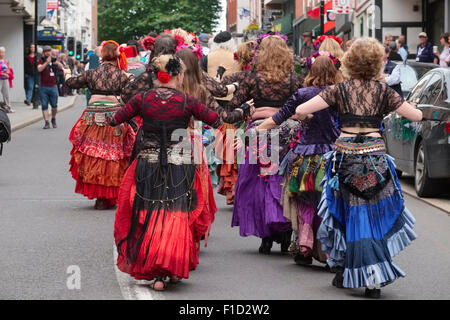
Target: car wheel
column 425, row 187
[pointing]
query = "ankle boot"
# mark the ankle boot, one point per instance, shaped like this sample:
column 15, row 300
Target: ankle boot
column 338, row 280
column 373, row 293
column 266, row 246
column 286, row 242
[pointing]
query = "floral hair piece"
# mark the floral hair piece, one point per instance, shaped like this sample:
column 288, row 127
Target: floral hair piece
column 322, row 38
column 265, row 35
column 122, row 62
column 148, row 43
column 311, row 59
column 196, row 49
column 174, row 66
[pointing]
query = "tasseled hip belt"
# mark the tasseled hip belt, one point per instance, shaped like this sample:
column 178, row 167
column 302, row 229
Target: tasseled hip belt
column 371, row 147
column 97, row 112
column 175, row 156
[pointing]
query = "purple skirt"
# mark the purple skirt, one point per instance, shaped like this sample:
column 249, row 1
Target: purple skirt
column 257, row 205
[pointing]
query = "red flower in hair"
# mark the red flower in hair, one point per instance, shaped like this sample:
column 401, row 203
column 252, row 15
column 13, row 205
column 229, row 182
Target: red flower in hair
column 148, row 43
column 163, row 77
column 180, row 39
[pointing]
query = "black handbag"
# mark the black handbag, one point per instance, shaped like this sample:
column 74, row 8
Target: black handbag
column 5, row 129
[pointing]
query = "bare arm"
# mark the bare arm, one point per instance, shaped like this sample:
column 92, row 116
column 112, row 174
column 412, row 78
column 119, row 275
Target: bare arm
column 268, row 124
column 310, row 107
column 410, row 112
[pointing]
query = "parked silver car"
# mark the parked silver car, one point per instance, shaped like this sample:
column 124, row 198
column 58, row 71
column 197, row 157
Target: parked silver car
column 423, row 148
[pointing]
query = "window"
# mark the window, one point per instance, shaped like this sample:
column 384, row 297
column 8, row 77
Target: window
column 361, row 30
column 433, row 91
column 416, row 93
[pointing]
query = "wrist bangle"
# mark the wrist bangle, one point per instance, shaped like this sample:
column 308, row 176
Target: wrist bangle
column 236, row 86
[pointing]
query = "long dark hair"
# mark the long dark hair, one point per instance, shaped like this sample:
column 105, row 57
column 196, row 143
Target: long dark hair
column 446, row 37
column 192, row 83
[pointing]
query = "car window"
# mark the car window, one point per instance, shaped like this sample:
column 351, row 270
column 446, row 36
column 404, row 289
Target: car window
column 432, row 91
column 415, row 93
column 408, row 77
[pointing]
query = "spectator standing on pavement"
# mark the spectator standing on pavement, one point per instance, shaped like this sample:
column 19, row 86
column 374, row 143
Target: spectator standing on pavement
column 401, row 49
column 391, row 72
column 48, row 68
column 30, row 73
column 443, row 58
column 5, row 81
column 388, row 39
column 394, row 55
column 306, row 50
column 60, row 76
column 425, row 49
column 403, row 39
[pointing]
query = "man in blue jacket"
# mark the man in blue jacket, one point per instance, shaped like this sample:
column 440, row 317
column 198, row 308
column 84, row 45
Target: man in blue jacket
column 424, row 49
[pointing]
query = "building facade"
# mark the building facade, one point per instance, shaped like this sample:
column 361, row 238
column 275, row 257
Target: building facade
column 76, row 18
column 242, row 13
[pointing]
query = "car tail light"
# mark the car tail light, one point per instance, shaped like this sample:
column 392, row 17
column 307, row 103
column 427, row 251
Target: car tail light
column 447, row 127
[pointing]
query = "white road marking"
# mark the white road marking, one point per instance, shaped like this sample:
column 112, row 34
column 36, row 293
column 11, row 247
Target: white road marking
column 132, row 289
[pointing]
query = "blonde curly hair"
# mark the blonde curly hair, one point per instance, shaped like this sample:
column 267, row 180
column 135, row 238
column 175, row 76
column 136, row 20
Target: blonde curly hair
column 364, row 60
column 274, row 59
column 332, row 46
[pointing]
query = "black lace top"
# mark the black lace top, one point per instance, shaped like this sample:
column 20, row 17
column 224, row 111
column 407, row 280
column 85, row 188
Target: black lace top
column 254, row 85
column 105, row 80
column 143, row 83
column 362, row 103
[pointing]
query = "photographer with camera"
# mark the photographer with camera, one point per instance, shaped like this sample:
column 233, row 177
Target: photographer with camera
column 48, row 67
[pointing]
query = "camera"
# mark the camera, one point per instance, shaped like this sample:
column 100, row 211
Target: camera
column 54, row 59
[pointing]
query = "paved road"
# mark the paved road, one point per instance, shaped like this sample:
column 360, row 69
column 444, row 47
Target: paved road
column 46, row 228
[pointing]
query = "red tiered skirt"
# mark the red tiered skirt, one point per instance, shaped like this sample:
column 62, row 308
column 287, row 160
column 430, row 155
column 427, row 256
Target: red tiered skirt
column 100, row 153
column 170, row 244
column 228, row 171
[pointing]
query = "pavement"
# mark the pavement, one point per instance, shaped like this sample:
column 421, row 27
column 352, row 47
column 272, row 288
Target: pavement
column 442, row 203
column 47, row 231
column 25, row 115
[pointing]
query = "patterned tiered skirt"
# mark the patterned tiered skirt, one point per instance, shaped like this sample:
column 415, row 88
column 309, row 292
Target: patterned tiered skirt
column 100, row 153
column 364, row 219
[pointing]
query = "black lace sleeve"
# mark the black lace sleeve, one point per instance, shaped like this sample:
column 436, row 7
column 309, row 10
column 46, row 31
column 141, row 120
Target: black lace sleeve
column 393, row 101
column 78, row 82
column 330, row 95
column 143, row 83
column 243, row 93
column 217, row 89
column 229, row 117
column 236, row 77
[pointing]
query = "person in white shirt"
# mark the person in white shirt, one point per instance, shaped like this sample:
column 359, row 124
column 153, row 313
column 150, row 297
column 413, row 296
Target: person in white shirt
column 401, row 49
column 443, row 58
column 391, row 73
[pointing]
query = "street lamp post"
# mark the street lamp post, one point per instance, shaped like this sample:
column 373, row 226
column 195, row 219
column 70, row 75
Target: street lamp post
column 36, row 74
column 322, row 17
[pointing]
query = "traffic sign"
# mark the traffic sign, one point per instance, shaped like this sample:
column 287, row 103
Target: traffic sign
column 342, row 6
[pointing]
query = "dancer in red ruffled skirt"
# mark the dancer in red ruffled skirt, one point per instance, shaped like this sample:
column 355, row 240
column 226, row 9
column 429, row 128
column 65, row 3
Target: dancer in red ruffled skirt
column 161, row 209
column 101, row 153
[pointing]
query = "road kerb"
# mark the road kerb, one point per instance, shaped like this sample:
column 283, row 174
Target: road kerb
column 441, row 204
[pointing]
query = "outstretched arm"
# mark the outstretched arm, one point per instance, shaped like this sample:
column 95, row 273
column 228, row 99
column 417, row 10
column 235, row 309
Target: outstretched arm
column 315, row 104
column 410, row 112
